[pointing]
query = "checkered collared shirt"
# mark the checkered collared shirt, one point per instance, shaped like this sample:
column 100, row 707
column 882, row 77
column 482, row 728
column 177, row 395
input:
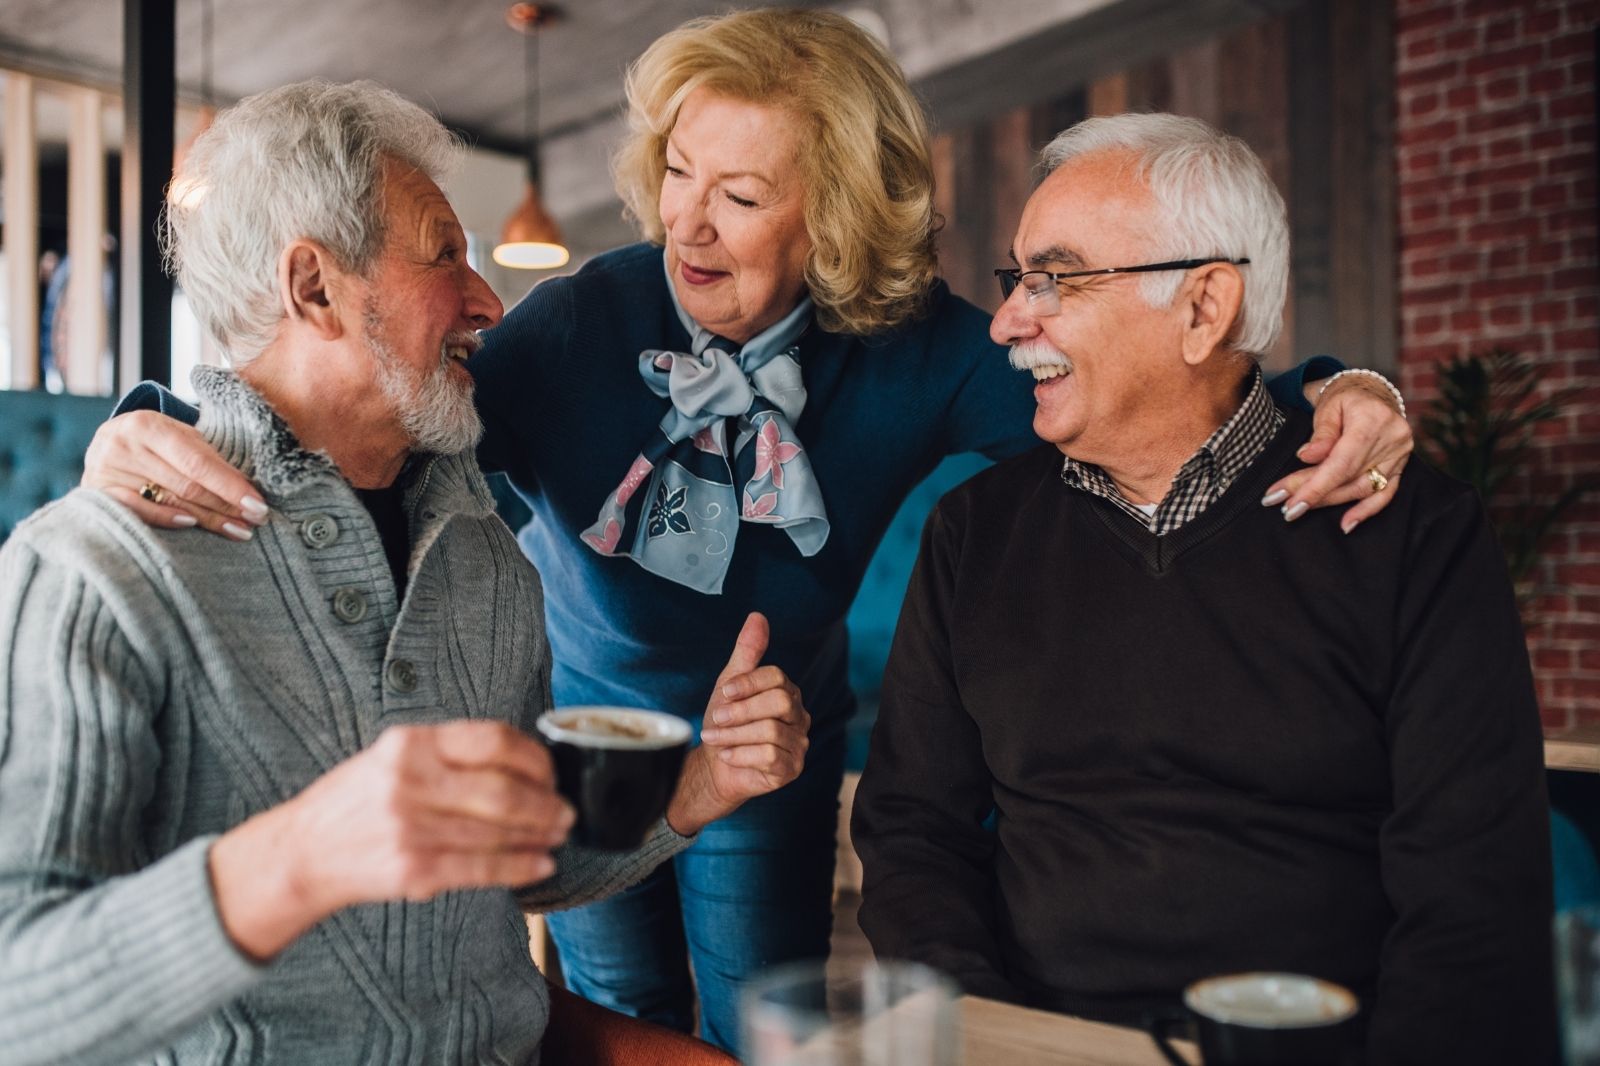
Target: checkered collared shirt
column 1206, row 475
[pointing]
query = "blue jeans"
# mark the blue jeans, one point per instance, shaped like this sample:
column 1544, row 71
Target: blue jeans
column 755, row 890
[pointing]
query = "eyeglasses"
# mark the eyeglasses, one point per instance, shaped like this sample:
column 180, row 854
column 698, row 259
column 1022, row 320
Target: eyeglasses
column 1043, row 287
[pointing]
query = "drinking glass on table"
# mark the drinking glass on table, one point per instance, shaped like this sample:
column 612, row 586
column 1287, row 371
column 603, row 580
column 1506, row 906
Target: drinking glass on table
column 1578, row 983
column 852, row 1012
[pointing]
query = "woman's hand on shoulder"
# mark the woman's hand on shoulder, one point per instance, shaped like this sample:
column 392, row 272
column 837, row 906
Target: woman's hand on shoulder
column 168, row 474
column 1359, row 446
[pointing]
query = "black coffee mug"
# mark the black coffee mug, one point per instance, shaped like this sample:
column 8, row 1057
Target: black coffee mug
column 1265, row 1019
column 617, row 766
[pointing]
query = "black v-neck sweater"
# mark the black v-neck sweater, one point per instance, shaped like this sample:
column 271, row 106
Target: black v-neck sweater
column 1241, row 745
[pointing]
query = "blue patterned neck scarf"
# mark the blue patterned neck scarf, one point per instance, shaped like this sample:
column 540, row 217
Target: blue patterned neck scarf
column 697, row 484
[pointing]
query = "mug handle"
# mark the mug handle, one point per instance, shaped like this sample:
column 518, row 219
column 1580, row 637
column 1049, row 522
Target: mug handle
column 1160, row 1027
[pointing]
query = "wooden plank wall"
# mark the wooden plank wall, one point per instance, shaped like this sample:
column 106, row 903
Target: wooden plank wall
column 1307, row 90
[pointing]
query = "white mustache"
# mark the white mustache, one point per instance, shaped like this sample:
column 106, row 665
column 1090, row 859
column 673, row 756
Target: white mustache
column 1030, row 354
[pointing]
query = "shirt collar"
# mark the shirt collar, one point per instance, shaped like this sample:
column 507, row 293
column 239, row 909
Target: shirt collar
column 1240, row 439
column 1205, row 475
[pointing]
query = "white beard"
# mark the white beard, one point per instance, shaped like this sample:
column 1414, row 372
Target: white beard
column 435, row 410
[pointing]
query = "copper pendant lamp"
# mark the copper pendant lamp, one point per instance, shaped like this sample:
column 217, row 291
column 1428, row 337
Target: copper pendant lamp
column 530, row 239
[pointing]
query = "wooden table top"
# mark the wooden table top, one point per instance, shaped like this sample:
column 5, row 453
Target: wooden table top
column 1577, row 748
column 1000, row 1034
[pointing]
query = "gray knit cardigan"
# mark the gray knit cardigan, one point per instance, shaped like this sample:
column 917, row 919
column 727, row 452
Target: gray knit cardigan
column 159, row 687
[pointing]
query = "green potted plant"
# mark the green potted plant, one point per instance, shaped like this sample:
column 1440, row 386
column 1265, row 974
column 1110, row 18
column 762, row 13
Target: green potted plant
column 1481, row 429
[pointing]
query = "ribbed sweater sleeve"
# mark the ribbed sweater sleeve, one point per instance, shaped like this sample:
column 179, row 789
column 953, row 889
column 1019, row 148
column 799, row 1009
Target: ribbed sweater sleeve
column 105, row 955
column 584, row 875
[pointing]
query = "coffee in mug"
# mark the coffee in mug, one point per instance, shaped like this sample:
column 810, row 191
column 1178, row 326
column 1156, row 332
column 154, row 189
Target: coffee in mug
column 1266, row 1019
column 617, row 766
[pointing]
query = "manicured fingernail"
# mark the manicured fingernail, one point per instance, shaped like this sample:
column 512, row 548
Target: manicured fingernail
column 730, row 691
column 1347, row 526
column 237, row 532
column 1291, row 513
column 720, row 715
column 255, row 510
column 184, row 521
column 710, row 736
column 1275, row 497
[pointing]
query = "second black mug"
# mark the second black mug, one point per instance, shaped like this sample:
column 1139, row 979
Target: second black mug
column 1265, row 1019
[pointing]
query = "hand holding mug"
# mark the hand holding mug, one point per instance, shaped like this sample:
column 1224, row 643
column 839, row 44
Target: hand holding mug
column 753, row 740
column 430, row 808
column 425, row 809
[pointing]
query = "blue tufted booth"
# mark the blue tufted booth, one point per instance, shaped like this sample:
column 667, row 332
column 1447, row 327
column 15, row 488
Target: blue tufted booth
column 42, row 440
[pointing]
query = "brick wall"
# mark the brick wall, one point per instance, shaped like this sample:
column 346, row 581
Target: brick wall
column 1495, row 145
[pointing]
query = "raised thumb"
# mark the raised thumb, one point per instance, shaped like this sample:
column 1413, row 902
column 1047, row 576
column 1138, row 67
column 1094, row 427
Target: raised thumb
column 750, row 647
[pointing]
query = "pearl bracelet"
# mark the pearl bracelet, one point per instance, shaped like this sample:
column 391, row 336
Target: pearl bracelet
column 1385, row 382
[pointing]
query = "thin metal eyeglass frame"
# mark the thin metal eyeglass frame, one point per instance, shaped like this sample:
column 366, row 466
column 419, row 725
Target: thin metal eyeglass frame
column 1011, row 277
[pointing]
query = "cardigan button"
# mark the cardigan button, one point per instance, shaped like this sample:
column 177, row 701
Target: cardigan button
column 319, row 531
column 349, row 605
column 401, row 675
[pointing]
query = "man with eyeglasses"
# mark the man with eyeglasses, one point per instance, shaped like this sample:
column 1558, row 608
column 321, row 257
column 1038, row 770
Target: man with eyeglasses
column 1086, row 788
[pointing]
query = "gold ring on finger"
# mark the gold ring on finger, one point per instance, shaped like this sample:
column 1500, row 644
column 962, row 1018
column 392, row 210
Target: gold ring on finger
column 153, row 492
column 1376, row 479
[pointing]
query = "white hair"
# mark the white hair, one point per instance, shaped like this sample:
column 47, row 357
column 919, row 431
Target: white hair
column 305, row 161
column 1213, row 198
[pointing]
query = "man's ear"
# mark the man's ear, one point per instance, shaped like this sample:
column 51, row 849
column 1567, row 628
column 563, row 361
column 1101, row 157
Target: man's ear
column 1212, row 299
column 308, row 288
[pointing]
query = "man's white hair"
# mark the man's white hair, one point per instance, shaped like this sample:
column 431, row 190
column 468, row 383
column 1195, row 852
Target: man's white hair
column 302, row 161
column 1213, row 198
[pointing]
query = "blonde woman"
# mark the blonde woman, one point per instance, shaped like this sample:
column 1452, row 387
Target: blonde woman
column 724, row 418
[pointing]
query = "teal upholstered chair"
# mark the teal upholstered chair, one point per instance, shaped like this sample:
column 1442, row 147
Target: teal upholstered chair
column 42, row 440
column 1577, row 873
column 877, row 606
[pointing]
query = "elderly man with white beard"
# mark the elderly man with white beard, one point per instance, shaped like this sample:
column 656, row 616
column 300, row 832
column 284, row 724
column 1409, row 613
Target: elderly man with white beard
column 1088, row 787
column 274, row 798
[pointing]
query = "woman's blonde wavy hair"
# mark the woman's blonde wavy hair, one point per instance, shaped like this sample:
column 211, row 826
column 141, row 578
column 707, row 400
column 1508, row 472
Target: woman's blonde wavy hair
column 866, row 170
